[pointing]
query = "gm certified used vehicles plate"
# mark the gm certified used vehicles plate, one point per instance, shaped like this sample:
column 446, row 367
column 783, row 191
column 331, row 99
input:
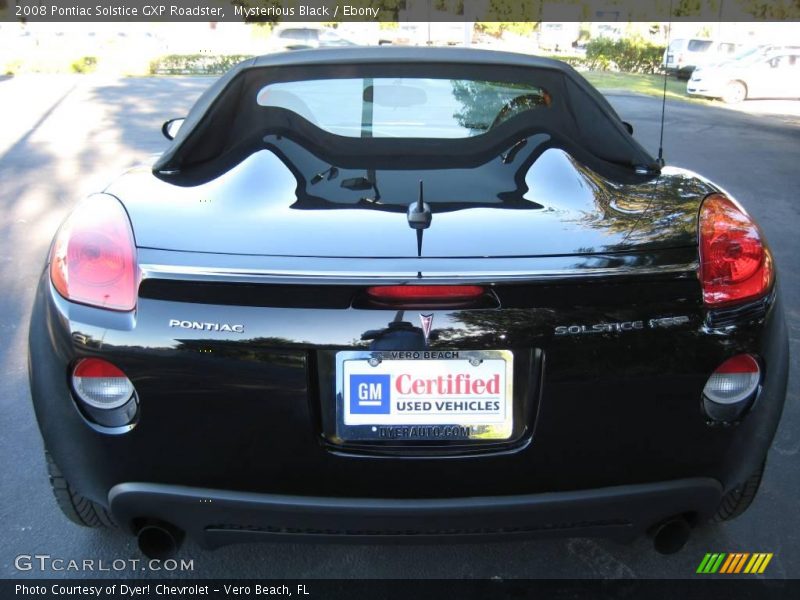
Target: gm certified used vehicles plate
column 420, row 395
column 406, row 293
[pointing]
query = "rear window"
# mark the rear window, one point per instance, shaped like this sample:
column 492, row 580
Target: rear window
column 699, row 45
column 400, row 113
column 404, row 107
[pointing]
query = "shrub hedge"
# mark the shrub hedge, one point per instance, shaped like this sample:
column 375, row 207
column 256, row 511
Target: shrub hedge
column 85, row 64
column 195, row 64
column 631, row 55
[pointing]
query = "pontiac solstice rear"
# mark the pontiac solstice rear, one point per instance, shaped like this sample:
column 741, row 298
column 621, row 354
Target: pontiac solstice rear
column 383, row 294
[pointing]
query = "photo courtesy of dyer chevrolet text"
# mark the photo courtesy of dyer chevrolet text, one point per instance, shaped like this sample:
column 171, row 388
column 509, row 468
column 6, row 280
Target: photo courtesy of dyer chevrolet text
column 160, row 589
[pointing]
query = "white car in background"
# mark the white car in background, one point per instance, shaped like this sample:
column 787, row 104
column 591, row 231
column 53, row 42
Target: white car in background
column 558, row 37
column 610, row 31
column 774, row 74
column 405, row 34
column 300, row 38
column 684, row 55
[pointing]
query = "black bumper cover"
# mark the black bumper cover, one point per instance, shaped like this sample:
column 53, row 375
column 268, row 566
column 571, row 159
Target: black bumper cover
column 215, row 518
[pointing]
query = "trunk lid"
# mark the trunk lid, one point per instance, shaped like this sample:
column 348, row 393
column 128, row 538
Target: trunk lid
column 550, row 206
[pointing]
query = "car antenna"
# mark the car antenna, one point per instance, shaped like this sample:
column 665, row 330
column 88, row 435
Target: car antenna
column 419, row 217
column 660, row 159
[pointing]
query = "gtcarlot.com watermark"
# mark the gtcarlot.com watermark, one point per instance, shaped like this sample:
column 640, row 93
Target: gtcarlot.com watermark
column 45, row 563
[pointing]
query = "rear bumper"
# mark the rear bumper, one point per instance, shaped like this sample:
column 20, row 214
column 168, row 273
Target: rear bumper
column 682, row 70
column 248, row 417
column 215, row 518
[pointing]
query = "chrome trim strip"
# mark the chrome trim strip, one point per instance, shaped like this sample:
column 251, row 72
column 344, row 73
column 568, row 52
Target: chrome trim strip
column 277, row 276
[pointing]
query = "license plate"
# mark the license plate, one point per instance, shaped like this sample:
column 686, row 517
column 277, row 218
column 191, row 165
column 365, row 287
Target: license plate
column 424, row 395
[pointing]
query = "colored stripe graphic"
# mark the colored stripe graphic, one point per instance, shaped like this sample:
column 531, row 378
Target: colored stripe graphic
column 765, row 563
column 704, row 563
column 741, row 562
column 733, row 563
column 758, row 563
column 729, row 563
column 711, row 563
column 715, row 567
column 737, row 562
column 751, row 564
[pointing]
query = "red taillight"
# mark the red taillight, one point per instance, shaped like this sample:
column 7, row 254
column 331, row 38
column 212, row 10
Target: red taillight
column 422, row 293
column 742, row 363
column 735, row 264
column 95, row 367
column 94, row 256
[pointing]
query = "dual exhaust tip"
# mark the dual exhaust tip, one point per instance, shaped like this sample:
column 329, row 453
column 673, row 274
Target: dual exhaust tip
column 160, row 540
column 670, row 536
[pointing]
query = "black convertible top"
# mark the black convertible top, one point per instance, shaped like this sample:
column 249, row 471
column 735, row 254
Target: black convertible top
column 226, row 124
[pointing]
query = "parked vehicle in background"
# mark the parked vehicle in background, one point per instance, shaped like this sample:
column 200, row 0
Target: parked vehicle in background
column 405, row 34
column 558, row 37
column 775, row 74
column 684, row 55
column 429, row 34
column 298, row 38
column 611, row 31
column 450, row 33
column 361, row 34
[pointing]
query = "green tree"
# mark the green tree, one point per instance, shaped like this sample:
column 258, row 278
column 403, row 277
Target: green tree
column 496, row 29
column 778, row 10
column 455, row 7
column 510, row 12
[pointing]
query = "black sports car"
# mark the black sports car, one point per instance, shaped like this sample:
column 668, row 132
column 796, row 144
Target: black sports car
column 405, row 294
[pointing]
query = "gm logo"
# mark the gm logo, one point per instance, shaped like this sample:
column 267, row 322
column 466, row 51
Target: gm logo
column 369, row 394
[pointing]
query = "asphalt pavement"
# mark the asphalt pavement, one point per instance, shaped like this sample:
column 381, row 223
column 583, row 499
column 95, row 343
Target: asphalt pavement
column 64, row 136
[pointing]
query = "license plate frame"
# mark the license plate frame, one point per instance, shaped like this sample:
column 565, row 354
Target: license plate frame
column 489, row 425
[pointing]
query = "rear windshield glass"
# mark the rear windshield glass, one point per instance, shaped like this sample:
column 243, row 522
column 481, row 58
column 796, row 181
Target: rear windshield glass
column 699, row 45
column 394, row 111
column 404, row 107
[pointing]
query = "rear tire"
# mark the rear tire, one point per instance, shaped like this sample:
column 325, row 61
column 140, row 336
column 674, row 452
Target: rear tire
column 739, row 499
column 735, row 92
column 75, row 507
